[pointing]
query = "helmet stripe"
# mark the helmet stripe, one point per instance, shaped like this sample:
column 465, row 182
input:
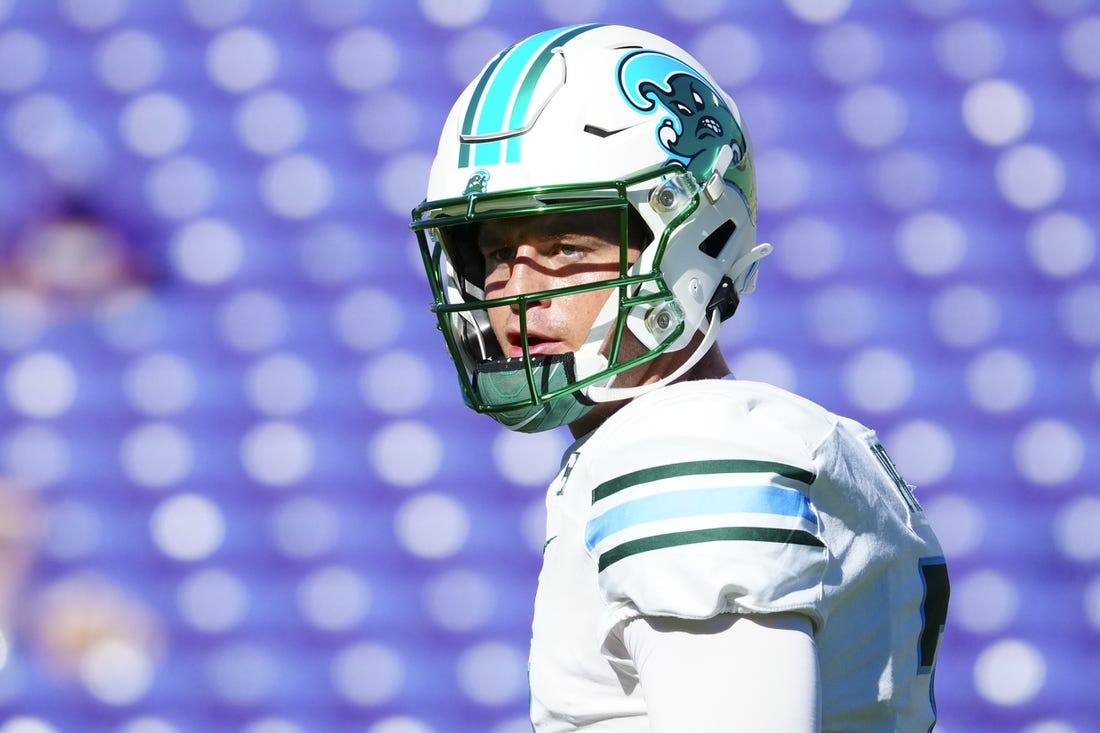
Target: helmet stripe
column 491, row 119
column 490, row 101
column 487, row 104
column 523, row 101
column 471, row 110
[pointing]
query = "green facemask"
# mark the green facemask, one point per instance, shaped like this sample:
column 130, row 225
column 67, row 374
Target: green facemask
column 505, row 382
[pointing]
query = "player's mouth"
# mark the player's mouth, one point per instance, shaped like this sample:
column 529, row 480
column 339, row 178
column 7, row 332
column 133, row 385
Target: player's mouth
column 538, row 345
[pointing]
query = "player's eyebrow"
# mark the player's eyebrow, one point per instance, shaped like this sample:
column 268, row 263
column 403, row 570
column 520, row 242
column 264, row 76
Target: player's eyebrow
column 484, row 240
column 561, row 227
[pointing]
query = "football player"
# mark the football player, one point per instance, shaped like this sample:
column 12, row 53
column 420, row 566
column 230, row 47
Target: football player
column 721, row 555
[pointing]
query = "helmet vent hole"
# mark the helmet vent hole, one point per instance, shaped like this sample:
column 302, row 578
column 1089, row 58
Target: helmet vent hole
column 717, row 239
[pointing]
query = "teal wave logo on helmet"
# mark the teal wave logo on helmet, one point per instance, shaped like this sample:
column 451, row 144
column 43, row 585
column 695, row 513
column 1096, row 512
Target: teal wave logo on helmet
column 699, row 122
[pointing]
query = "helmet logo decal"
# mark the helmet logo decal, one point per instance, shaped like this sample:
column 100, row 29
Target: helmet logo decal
column 701, row 122
column 478, row 183
column 498, row 108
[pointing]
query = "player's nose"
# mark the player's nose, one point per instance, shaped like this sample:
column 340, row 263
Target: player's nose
column 527, row 275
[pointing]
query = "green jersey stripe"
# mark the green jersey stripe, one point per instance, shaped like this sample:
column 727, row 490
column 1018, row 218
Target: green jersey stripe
column 717, row 534
column 698, row 468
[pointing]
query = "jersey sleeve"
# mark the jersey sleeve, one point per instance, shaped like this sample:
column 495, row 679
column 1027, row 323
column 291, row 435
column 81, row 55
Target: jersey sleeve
column 695, row 519
column 689, row 684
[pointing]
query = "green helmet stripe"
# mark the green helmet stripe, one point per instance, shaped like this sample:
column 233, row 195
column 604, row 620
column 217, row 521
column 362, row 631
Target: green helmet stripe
column 500, row 88
column 471, row 110
column 523, row 101
column 491, row 119
column 488, row 101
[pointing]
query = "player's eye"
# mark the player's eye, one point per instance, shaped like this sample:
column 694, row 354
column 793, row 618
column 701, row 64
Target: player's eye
column 499, row 255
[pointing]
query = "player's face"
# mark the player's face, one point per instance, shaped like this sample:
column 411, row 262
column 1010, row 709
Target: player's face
column 537, row 253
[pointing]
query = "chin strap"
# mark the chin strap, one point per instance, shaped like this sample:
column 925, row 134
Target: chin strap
column 590, row 361
column 612, row 394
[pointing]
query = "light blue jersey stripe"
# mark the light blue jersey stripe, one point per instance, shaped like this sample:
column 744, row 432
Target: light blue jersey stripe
column 700, row 503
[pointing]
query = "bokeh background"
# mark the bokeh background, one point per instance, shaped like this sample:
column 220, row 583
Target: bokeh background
column 238, row 490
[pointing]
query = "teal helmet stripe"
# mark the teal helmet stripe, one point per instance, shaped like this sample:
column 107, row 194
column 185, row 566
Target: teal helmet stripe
column 491, row 119
column 523, row 101
column 490, row 102
column 471, row 110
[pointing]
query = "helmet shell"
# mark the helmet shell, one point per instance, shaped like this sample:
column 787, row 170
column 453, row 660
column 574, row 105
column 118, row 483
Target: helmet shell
column 572, row 109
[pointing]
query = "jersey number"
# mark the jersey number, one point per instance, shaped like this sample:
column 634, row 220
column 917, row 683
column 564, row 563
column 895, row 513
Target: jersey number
column 933, row 609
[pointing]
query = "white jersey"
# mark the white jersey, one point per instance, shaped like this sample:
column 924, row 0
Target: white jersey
column 723, row 496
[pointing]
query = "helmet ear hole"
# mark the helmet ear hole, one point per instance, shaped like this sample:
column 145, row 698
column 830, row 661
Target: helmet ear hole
column 716, row 240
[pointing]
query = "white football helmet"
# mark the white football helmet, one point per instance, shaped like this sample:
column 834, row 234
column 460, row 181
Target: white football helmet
column 580, row 118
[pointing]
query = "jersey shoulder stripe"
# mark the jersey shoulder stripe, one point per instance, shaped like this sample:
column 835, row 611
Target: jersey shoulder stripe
column 684, row 503
column 715, row 534
column 692, row 502
column 691, row 468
